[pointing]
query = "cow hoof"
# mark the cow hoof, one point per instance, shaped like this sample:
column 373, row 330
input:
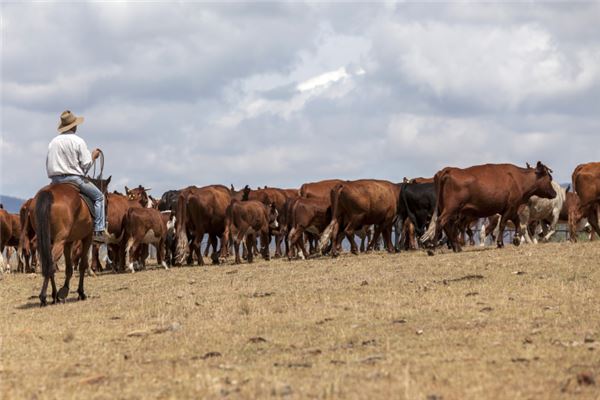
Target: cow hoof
column 430, row 252
column 81, row 296
column 516, row 241
column 62, row 294
column 43, row 302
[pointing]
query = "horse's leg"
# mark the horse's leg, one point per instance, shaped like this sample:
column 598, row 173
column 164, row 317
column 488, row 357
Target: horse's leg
column 54, row 291
column 83, row 264
column 57, row 249
column 64, row 291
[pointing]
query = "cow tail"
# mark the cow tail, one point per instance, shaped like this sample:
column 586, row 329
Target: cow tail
column 180, row 228
column 438, row 181
column 326, row 235
column 574, row 177
column 43, row 205
column 411, row 214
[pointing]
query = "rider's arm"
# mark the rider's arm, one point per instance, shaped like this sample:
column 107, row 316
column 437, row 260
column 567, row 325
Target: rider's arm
column 85, row 157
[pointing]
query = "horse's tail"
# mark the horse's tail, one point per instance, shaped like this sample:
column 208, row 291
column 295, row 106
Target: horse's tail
column 43, row 205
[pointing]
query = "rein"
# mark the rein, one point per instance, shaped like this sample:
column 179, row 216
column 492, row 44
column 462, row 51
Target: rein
column 97, row 178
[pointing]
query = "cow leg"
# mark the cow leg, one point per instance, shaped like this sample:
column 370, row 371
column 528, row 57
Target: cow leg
column 524, row 215
column 278, row 240
column 373, row 238
column 237, row 238
column 250, row 240
column 264, row 244
column 349, row 232
column 552, row 227
column 387, row 238
column 196, row 243
column 398, row 224
column 160, row 254
column 130, row 252
column 593, row 221
column 96, row 259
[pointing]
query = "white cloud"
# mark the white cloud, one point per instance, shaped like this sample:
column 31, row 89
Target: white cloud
column 280, row 94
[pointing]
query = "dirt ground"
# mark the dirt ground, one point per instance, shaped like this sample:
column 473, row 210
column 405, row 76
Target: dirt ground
column 513, row 323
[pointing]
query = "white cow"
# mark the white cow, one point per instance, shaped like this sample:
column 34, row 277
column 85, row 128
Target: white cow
column 538, row 209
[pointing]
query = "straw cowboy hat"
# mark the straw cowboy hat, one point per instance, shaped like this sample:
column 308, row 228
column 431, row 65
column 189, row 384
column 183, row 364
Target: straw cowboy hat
column 68, row 120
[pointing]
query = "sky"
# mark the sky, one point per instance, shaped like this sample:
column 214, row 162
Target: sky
column 278, row 94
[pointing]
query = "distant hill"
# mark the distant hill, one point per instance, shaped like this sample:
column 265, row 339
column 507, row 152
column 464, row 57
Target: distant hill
column 11, row 204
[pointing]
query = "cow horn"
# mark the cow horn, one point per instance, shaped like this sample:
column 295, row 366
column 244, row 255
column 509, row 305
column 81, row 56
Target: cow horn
column 147, row 189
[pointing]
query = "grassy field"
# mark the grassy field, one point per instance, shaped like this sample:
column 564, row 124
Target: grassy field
column 513, row 323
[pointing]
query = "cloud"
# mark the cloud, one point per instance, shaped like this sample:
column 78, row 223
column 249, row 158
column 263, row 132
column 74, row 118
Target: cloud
column 280, row 94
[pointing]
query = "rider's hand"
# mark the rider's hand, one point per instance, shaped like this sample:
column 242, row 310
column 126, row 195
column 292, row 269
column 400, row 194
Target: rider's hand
column 95, row 154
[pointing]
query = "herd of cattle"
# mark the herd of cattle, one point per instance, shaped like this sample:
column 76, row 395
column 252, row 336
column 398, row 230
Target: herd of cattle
column 424, row 213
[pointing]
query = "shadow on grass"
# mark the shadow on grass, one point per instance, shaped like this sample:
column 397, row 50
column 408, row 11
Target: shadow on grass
column 36, row 304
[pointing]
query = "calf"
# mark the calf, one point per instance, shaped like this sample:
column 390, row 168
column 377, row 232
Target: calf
column 144, row 226
column 310, row 215
column 246, row 219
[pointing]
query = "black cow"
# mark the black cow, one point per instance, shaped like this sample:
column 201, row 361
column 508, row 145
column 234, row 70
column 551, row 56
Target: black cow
column 417, row 203
column 168, row 201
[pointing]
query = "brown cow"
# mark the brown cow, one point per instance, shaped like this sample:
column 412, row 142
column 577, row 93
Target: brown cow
column 355, row 204
column 586, row 183
column 246, row 219
column 311, row 215
column 10, row 232
column 199, row 211
column 27, row 241
column 321, row 189
column 269, row 196
column 144, row 226
column 481, row 191
column 572, row 216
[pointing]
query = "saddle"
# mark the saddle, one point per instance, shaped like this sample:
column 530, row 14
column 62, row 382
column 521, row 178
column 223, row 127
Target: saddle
column 88, row 202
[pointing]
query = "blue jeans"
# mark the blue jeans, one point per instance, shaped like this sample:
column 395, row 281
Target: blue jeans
column 91, row 191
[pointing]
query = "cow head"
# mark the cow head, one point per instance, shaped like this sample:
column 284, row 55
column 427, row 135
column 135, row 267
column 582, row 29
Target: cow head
column 543, row 182
column 139, row 194
column 273, row 216
column 246, row 192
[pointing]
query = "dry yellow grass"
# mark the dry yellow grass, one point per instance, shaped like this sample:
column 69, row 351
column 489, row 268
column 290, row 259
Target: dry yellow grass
column 523, row 323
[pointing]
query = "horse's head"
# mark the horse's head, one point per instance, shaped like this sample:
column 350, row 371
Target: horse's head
column 101, row 184
column 139, row 194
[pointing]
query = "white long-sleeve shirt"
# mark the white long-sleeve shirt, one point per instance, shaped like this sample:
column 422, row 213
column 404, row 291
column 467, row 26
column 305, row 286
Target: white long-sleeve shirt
column 67, row 155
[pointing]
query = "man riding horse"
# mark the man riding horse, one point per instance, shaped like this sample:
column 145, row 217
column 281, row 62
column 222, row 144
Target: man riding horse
column 68, row 161
column 60, row 217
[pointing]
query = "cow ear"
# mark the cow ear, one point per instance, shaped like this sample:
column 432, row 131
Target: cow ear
column 108, row 180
